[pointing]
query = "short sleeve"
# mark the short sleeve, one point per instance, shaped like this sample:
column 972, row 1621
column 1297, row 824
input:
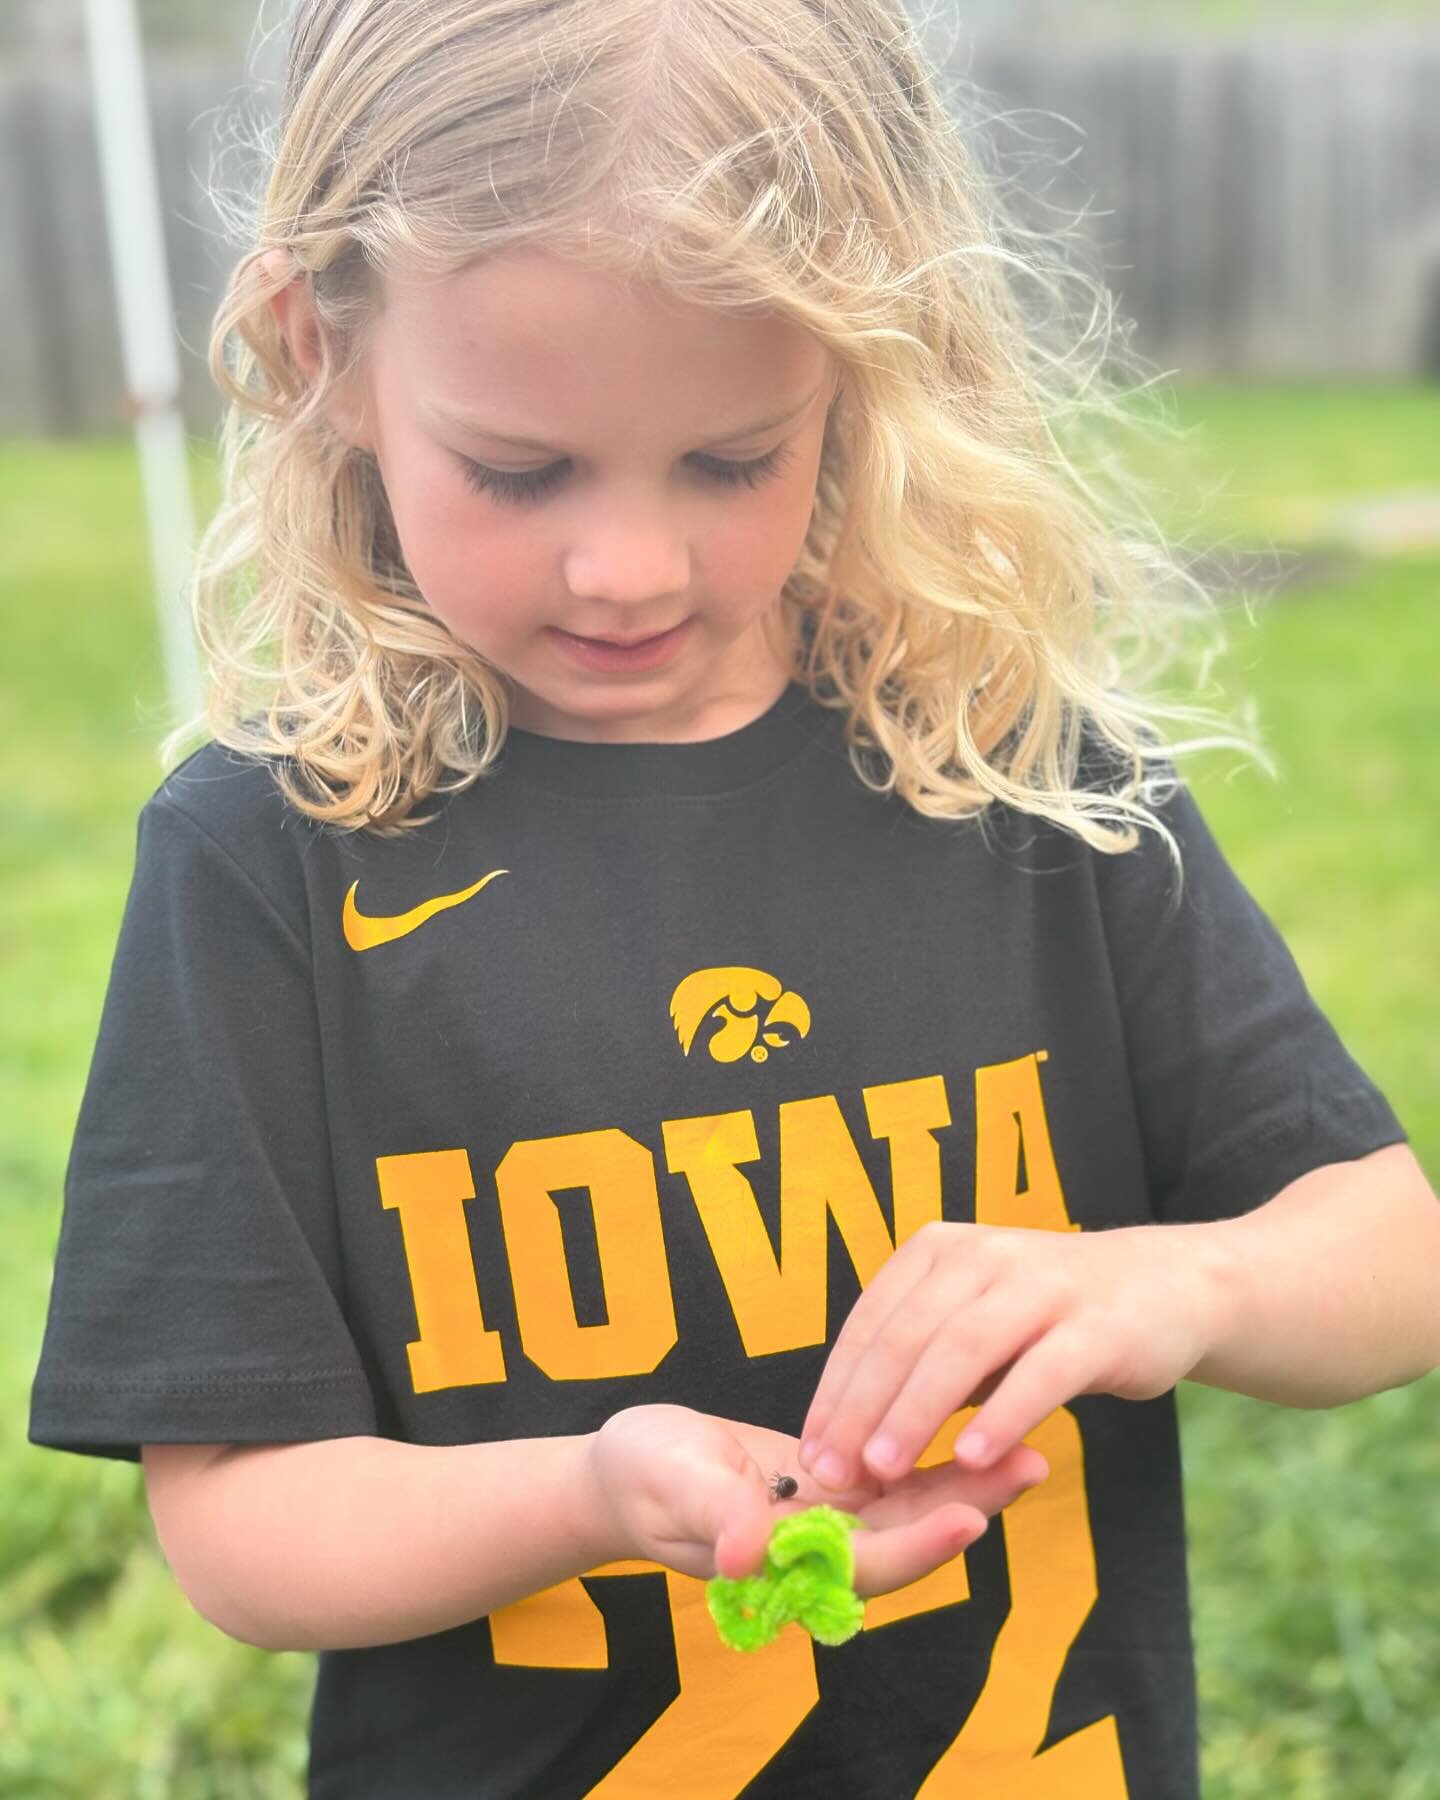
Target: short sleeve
column 196, row 1293
column 1242, row 1084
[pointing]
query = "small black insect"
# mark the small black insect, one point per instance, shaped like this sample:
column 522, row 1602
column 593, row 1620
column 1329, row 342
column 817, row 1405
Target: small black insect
column 783, row 1487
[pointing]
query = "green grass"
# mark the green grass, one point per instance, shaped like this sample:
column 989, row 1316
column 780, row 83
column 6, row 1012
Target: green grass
column 1313, row 1534
column 1271, row 462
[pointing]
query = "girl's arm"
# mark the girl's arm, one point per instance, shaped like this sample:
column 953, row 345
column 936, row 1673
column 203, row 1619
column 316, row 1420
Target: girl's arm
column 1330, row 1291
column 344, row 1543
column 1326, row 1293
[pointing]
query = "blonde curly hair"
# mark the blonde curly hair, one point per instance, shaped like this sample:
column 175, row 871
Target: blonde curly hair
column 982, row 588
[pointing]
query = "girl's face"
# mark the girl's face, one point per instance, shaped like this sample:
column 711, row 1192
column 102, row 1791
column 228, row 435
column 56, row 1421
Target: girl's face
column 627, row 516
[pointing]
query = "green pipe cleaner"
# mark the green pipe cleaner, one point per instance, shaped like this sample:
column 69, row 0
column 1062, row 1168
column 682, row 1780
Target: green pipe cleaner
column 809, row 1576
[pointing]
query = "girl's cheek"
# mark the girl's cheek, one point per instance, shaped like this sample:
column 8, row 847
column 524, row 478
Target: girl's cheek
column 486, row 585
column 445, row 540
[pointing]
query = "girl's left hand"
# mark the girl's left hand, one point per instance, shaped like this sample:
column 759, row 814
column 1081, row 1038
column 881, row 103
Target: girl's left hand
column 1021, row 1319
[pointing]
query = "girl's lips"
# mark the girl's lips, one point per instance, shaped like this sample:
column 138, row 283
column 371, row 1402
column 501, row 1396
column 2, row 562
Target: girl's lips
column 648, row 653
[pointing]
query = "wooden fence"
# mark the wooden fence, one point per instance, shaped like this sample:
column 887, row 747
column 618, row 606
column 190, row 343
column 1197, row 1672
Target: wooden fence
column 1266, row 207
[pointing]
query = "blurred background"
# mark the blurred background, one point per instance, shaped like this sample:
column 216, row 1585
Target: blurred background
column 1260, row 186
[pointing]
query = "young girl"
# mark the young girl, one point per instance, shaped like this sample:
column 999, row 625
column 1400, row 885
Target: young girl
column 672, row 981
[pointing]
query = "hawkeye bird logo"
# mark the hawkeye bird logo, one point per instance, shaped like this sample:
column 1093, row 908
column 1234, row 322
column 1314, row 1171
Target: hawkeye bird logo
column 733, row 996
column 364, row 934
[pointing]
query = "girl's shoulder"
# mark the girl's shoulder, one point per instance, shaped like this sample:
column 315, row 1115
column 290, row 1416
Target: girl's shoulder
column 234, row 798
column 1103, row 777
column 225, row 811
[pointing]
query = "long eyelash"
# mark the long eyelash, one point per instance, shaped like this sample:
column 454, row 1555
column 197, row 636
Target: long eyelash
column 534, row 484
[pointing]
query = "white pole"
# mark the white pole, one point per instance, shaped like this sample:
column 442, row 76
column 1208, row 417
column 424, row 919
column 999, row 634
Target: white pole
column 147, row 329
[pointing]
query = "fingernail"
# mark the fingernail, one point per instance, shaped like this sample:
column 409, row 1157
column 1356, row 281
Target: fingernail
column 882, row 1452
column 830, row 1469
column 973, row 1447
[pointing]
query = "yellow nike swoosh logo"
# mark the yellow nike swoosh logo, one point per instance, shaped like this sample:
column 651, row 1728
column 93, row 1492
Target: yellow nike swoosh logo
column 364, row 934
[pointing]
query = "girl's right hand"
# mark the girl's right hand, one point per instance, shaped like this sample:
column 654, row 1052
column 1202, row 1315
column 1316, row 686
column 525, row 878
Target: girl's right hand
column 691, row 1492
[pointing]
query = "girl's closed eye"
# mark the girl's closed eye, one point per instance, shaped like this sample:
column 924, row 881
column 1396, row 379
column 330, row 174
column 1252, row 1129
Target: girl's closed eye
column 534, row 484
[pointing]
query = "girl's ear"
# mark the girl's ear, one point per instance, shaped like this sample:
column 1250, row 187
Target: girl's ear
column 294, row 310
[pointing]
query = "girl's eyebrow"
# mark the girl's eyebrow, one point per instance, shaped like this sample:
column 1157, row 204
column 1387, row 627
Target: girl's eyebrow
column 477, row 428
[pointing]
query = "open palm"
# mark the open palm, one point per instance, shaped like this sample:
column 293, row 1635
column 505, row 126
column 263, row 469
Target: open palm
column 913, row 1523
column 693, row 1492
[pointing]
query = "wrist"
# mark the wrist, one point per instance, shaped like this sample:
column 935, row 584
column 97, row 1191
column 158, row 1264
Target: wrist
column 608, row 1537
column 1217, row 1257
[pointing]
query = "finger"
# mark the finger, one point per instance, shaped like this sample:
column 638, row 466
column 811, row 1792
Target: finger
column 729, row 1502
column 736, row 1516
column 870, row 1327
column 988, row 1491
column 966, row 1350
column 877, row 1378
column 988, row 1386
column 894, row 1557
column 1055, row 1369
column 888, row 1289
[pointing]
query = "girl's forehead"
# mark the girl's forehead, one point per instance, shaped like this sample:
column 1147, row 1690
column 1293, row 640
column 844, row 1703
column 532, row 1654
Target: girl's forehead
column 525, row 323
column 528, row 294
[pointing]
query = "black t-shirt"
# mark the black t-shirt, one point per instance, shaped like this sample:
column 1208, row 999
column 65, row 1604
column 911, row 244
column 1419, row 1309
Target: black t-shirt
column 612, row 1085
